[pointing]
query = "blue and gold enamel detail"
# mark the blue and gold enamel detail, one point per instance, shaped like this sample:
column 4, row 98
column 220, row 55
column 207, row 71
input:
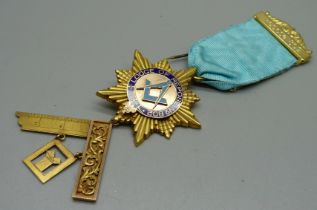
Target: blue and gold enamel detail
column 155, row 93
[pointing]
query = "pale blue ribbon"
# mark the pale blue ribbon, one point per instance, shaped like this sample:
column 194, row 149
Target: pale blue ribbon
column 241, row 55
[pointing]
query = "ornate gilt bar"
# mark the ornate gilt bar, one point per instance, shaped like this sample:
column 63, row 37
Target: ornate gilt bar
column 92, row 162
column 286, row 35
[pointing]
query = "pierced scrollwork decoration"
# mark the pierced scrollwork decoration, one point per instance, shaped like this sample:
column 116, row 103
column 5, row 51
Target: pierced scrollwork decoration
column 92, row 161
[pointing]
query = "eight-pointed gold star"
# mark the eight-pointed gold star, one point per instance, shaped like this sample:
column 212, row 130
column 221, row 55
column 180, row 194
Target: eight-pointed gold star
column 144, row 126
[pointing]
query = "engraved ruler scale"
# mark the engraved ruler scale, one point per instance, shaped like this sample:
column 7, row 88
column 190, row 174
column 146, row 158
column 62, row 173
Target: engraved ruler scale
column 154, row 98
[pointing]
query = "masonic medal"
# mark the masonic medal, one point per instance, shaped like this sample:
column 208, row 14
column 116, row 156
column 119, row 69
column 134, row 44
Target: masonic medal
column 151, row 97
column 154, row 98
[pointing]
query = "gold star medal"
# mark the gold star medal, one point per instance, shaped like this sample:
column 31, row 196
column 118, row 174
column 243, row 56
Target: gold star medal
column 153, row 98
column 156, row 98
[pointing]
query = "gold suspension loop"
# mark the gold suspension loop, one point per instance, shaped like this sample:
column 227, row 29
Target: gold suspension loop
column 176, row 57
column 60, row 137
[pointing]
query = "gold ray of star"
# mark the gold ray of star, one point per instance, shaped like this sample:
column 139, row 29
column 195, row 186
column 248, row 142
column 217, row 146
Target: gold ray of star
column 145, row 126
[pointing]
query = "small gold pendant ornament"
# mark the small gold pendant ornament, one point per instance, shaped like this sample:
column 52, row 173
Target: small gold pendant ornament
column 49, row 159
column 153, row 98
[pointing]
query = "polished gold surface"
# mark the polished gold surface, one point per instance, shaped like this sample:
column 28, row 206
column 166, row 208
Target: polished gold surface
column 53, row 124
column 285, row 34
column 92, row 162
column 49, row 160
column 145, row 126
